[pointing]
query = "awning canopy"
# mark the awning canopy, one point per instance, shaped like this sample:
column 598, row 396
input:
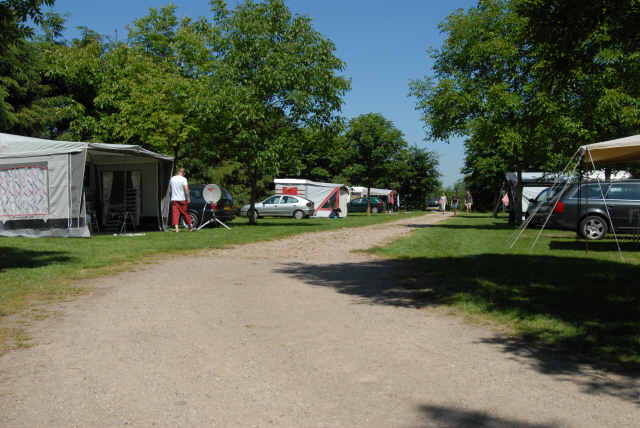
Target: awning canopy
column 613, row 151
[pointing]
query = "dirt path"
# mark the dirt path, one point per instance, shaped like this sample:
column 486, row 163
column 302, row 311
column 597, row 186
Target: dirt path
column 292, row 333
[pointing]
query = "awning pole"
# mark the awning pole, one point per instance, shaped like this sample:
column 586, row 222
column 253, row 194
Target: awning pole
column 606, row 207
column 530, row 219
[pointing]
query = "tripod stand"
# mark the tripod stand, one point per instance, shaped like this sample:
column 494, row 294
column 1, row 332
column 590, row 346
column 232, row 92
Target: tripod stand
column 212, row 219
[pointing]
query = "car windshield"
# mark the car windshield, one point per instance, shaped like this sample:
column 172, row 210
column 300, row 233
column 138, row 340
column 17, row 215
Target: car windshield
column 547, row 194
column 195, row 192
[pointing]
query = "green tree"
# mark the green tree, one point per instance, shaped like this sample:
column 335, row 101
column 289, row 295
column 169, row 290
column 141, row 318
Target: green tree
column 420, row 178
column 276, row 73
column 589, row 54
column 19, row 78
column 14, row 18
column 485, row 88
column 372, row 144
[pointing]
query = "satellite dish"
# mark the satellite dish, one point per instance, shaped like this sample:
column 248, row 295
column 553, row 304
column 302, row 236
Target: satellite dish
column 211, row 193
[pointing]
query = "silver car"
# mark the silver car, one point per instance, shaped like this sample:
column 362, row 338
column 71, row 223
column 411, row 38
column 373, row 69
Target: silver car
column 281, row 206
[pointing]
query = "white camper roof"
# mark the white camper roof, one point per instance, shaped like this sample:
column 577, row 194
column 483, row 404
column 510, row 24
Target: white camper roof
column 374, row 191
column 301, row 181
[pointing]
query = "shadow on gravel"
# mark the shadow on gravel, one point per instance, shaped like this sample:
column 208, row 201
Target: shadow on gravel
column 16, row 258
column 458, row 418
column 570, row 310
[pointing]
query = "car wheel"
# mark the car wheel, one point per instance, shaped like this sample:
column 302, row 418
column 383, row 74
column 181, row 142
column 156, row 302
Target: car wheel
column 593, row 227
column 374, row 210
column 195, row 219
column 298, row 215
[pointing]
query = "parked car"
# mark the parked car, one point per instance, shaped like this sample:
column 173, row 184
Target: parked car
column 200, row 210
column 281, row 206
column 584, row 210
column 360, row 205
column 433, row 204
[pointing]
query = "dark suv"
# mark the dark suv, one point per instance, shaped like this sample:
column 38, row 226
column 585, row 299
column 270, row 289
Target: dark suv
column 360, row 205
column 583, row 209
column 201, row 211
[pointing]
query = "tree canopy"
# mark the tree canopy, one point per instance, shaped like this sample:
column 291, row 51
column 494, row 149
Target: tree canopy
column 526, row 82
column 236, row 97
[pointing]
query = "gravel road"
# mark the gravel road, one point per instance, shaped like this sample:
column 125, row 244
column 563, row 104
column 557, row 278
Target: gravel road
column 299, row 332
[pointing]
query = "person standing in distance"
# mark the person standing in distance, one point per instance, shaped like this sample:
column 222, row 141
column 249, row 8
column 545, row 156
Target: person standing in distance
column 454, row 204
column 443, row 202
column 180, row 198
column 468, row 202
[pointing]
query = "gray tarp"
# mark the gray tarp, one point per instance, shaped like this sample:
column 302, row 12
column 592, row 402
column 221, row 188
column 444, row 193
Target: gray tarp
column 42, row 183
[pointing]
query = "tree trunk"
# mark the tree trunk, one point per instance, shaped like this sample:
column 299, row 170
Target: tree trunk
column 253, row 217
column 518, row 199
column 515, row 201
column 368, row 199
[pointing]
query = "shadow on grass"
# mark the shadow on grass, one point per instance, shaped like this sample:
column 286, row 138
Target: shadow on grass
column 572, row 311
column 13, row 258
column 452, row 417
column 497, row 225
column 583, row 245
column 267, row 223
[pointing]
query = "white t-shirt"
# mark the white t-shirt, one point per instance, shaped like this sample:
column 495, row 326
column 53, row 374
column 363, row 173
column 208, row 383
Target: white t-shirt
column 177, row 184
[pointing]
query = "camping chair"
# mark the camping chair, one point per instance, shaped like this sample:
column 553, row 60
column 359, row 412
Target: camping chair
column 127, row 217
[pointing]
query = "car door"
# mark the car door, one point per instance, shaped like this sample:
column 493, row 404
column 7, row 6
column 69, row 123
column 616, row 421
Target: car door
column 358, row 204
column 270, row 205
column 287, row 206
column 632, row 193
column 618, row 206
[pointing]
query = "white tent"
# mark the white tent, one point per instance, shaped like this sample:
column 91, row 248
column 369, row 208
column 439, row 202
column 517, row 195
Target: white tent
column 326, row 196
column 48, row 187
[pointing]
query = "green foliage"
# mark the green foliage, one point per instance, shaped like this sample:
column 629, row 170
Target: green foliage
column 589, row 53
column 275, row 73
column 14, row 15
column 236, row 99
column 528, row 81
column 486, row 87
column 371, row 144
column 417, row 178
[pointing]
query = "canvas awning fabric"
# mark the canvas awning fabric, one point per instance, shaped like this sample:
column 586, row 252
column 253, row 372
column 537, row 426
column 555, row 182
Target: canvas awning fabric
column 613, row 151
column 20, row 146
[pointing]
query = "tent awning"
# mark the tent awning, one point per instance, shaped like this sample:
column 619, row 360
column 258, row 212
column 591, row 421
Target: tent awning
column 613, row 151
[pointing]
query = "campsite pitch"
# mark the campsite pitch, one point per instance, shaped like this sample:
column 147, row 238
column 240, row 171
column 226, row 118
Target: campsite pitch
column 290, row 333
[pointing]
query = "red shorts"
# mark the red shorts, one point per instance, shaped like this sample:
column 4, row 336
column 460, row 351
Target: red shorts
column 177, row 208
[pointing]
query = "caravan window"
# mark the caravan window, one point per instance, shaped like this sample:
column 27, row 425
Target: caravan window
column 331, row 202
column 24, row 190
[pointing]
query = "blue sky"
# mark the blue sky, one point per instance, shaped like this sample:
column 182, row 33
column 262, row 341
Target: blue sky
column 383, row 43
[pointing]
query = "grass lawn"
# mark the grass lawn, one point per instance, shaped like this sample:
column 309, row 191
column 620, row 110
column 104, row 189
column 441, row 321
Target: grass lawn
column 565, row 294
column 43, row 269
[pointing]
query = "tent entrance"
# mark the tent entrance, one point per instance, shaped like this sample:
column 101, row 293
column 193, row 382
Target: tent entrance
column 120, row 199
column 121, row 192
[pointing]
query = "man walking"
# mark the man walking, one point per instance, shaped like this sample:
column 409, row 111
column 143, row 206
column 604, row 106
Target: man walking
column 180, row 198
